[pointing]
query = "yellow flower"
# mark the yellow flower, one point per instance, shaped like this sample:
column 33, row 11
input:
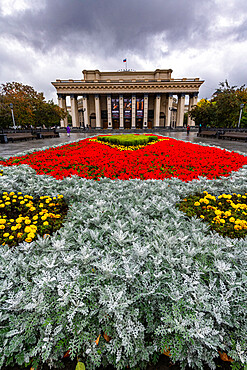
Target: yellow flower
column 43, row 218
column 2, row 205
column 7, row 203
column 20, row 197
column 196, row 204
column 13, row 228
column 2, row 227
column 22, row 202
column 232, row 219
column 32, row 209
column 27, row 222
column 217, row 212
column 19, row 235
column 31, row 235
column 35, row 217
column 28, row 240
column 222, row 221
column 5, row 235
column 202, row 216
column 11, row 237
column 2, row 221
column 45, row 223
column 12, row 220
column 28, row 229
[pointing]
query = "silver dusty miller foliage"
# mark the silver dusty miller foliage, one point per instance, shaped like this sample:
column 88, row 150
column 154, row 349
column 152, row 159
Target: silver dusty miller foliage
column 127, row 263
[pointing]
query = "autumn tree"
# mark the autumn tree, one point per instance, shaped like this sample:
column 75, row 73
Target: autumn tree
column 30, row 107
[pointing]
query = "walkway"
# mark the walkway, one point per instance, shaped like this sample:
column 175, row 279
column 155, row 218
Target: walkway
column 11, row 149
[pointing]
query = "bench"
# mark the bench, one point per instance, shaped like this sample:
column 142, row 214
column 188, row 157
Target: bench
column 20, row 136
column 234, row 136
column 45, row 135
column 207, row 133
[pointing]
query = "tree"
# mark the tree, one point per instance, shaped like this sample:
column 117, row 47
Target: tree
column 228, row 100
column 223, row 108
column 30, row 107
column 204, row 113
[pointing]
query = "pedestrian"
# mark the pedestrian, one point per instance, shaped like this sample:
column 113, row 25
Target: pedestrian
column 188, row 129
column 68, row 131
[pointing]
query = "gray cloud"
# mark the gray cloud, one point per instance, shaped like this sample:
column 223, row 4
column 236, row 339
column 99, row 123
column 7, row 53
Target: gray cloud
column 59, row 38
column 128, row 24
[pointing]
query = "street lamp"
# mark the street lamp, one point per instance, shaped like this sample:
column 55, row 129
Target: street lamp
column 13, row 117
column 240, row 114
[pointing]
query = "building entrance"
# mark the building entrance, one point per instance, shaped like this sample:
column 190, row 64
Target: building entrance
column 115, row 123
column 139, row 123
column 127, row 123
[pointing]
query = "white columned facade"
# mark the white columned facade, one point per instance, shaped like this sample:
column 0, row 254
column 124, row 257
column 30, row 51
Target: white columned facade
column 109, row 117
column 145, row 111
column 97, row 111
column 180, row 111
column 157, row 111
column 74, row 111
column 121, row 112
column 85, row 110
column 133, row 110
column 168, row 108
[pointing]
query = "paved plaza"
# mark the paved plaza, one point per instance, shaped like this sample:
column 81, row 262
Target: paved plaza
column 11, row 149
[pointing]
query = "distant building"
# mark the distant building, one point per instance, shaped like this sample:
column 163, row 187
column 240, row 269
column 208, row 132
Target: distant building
column 127, row 99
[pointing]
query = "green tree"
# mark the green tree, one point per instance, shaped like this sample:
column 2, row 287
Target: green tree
column 223, row 109
column 228, row 99
column 204, row 113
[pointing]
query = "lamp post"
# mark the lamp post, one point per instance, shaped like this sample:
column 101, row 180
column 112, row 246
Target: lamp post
column 13, row 117
column 240, row 114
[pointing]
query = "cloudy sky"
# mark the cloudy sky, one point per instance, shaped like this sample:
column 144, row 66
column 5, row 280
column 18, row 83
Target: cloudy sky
column 42, row 40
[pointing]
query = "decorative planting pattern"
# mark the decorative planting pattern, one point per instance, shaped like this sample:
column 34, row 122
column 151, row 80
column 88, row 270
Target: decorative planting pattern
column 128, row 270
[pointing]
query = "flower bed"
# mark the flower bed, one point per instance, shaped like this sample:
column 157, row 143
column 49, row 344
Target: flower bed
column 128, row 264
column 164, row 159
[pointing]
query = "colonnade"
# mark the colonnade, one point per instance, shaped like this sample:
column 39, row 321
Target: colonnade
column 167, row 98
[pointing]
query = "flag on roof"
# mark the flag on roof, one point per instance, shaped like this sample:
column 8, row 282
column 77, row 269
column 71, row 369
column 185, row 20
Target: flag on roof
column 125, row 60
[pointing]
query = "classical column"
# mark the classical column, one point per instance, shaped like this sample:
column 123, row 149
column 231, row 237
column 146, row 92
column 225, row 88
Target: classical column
column 195, row 97
column 145, row 111
column 190, row 122
column 192, row 102
column 97, row 111
column 157, row 111
column 85, row 111
column 169, row 101
column 133, row 110
column 74, row 111
column 121, row 112
column 62, row 105
column 108, row 101
column 180, row 110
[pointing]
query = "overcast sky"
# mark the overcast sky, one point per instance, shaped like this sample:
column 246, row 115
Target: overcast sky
column 43, row 40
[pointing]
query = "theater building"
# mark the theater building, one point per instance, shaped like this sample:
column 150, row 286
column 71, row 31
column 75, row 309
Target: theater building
column 127, row 99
